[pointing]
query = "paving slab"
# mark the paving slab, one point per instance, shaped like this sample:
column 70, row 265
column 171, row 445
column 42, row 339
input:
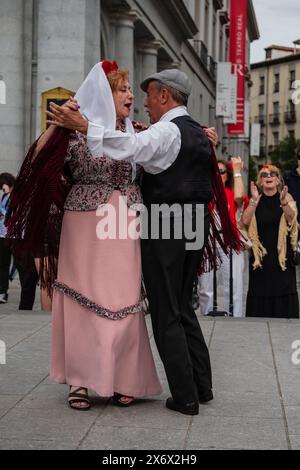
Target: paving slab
column 13, row 444
column 293, row 419
column 295, row 442
column 243, row 405
column 128, row 438
column 7, row 402
column 48, row 424
column 144, row 414
column 236, row 433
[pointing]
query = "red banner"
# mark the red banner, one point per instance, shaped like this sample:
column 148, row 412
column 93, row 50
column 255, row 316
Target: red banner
column 237, row 56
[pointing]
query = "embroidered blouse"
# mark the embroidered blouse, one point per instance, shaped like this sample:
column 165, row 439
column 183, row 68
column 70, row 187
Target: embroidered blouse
column 95, row 179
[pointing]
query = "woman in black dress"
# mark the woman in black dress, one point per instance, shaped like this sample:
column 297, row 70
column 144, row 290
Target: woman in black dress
column 273, row 230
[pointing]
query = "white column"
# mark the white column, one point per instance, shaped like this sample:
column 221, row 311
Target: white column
column 202, row 20
column 217, row 37
column 124, row 41
column 148, row 52
column 12, row 73
column 210, row 30
column 68, row 45
column 147, row 58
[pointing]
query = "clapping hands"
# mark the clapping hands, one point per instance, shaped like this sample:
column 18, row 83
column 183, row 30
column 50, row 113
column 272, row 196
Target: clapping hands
column 254, row 192
column 283, row 196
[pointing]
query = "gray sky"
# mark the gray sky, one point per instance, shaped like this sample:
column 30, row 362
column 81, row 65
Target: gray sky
column 278, row 22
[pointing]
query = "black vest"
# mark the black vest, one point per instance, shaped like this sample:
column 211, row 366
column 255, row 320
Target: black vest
column 189, row 177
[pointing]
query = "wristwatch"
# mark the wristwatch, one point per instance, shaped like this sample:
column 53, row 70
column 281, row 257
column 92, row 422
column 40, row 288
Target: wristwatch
column 237, row 174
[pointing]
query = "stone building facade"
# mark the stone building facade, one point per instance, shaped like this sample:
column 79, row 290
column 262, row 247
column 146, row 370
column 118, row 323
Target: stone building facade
column 49, row 44
column 272, row 103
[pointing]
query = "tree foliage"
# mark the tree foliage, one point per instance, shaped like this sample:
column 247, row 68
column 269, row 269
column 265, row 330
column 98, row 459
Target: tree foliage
column 252, row 171
column 283, row 156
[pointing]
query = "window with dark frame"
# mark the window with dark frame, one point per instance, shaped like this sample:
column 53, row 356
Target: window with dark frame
column 262, row 86
column 276, row 82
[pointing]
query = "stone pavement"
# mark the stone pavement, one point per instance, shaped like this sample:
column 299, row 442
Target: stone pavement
column 256, row 406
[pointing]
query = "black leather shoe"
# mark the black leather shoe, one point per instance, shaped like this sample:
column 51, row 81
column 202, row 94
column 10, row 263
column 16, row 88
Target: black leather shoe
column 206, row 397
column 186, row 409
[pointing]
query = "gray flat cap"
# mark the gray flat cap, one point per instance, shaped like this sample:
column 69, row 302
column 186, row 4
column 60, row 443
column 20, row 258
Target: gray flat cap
column 170, row 77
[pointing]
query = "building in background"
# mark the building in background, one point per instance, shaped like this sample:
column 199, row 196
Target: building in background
column 272, row 105
column 48, row 47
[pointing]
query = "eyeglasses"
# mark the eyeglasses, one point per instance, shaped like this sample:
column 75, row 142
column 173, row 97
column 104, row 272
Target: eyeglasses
column 222, row 171
column 264, row 174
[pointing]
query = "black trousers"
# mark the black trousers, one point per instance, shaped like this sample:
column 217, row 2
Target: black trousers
column 28, row 279
column 169, row 272
column 5, row 259
column 27, row 274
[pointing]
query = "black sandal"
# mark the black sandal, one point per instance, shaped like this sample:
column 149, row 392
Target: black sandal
column 118, row 399
column 75, row 397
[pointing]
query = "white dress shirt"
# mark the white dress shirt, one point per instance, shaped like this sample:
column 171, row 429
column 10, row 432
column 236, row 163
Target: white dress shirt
column 155, row 149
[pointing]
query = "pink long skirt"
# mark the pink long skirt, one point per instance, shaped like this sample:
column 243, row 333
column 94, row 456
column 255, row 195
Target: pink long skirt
column 93, row 351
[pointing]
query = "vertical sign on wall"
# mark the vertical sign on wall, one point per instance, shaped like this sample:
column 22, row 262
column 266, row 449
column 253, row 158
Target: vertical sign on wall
column 226, row 92
column 237, row 56
column 255, row 140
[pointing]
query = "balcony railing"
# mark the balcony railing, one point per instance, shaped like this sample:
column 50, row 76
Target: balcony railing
column 274, row 119
column 201, row 50
column 260, row 120
column 224, row 17
column 212, row 68
column 290, row 117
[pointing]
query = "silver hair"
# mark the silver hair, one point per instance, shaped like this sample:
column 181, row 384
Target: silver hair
column 178, row 96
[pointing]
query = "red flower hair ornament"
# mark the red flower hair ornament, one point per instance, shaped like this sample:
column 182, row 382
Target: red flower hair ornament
column 109, row 67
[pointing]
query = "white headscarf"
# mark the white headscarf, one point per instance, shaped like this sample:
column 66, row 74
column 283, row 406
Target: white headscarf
column 96, row 100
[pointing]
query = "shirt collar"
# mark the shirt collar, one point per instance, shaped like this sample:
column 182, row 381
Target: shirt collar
column 174, row 113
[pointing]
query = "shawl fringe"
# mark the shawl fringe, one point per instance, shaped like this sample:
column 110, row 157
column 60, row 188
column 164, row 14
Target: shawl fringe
column 222, row 231
column 36, row 204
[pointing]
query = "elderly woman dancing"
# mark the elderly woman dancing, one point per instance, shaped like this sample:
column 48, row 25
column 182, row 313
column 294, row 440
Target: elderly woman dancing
column 99, row 336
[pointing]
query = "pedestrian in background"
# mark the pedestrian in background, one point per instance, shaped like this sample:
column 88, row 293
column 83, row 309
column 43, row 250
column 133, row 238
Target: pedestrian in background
column 24, row 265
column 6, row 184
column 273, row 230
column 231, row 174
column 292, row 181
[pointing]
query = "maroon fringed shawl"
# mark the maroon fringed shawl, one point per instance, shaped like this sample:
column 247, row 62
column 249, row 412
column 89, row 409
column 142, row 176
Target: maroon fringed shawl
column 37, row 201
column 222, row 230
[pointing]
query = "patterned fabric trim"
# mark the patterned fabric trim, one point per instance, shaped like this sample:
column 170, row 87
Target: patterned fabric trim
column 97, row 309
